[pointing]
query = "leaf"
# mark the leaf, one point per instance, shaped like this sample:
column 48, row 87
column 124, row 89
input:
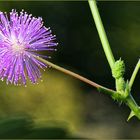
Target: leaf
column 22, row 127
column 132, row 114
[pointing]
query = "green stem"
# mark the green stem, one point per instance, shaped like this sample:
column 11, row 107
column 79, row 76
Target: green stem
column 133, row 106
column 132, row 79
column 77, row 76
column 101, row 32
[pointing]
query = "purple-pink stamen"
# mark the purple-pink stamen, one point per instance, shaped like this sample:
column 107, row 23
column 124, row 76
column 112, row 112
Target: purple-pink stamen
column 21, row 37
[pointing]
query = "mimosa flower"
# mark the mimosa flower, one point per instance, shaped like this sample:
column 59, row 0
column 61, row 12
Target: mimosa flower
column 21, row 37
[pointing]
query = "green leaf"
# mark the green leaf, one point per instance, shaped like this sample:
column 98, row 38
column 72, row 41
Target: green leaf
column 132, row 114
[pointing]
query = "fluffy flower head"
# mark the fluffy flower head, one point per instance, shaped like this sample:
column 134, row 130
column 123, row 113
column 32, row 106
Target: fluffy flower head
column 21, row 38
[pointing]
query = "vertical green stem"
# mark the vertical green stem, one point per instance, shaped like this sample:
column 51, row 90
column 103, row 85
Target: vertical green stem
column 101, row 32
column 134, row 74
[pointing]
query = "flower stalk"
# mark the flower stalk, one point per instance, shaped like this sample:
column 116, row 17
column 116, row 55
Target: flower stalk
column 77, row 76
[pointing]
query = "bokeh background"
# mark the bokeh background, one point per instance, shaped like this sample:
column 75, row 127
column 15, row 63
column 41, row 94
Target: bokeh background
column 61, row 106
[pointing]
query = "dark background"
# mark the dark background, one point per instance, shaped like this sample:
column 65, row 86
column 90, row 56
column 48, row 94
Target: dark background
column 60, row 106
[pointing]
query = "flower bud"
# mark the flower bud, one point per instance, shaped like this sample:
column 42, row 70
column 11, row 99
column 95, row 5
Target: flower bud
column 118, row 69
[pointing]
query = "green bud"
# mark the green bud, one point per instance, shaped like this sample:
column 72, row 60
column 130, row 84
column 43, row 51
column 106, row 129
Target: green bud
column 118, row 69
column 120, row 84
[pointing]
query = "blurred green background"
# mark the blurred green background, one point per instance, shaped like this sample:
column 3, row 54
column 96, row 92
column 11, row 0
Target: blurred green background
column 63, row 107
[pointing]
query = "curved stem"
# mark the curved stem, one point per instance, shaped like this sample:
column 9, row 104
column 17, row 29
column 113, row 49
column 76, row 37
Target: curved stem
column 69, row 73
column 134, row 74
column 101, row 32
column 77, row 76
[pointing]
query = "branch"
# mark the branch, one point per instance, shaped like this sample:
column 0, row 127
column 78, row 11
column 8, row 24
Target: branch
column 77, row 76
column 132, row 79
